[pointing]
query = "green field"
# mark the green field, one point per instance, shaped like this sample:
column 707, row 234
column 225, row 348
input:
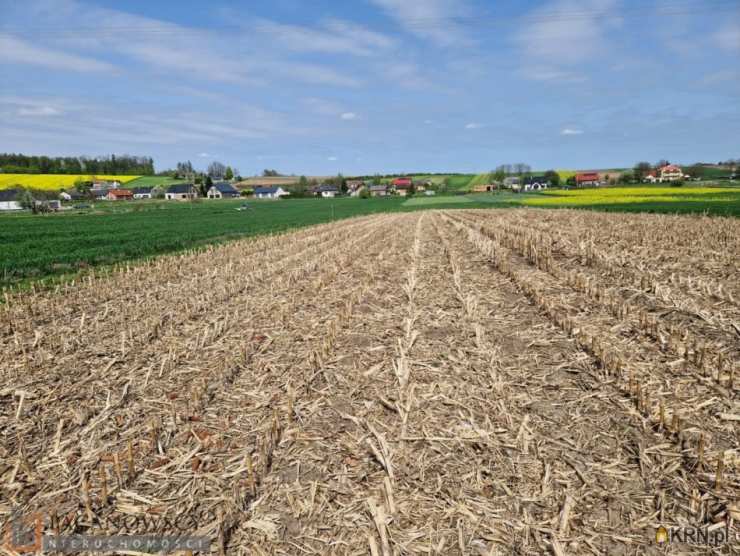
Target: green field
column 34, row 247
column 152, row 181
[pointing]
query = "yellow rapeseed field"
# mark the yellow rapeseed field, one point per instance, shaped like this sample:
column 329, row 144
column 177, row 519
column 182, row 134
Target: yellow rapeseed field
column 52, row 181
column 622, row 195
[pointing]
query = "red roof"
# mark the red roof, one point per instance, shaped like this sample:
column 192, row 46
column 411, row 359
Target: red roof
column 671, row 168
column 587, row 176
column 403, row 182
column 122, row 193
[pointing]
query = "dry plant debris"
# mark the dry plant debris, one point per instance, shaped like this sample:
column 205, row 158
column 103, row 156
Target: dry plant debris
column 462, row 382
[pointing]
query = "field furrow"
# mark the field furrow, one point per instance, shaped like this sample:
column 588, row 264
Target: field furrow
column 442, row 382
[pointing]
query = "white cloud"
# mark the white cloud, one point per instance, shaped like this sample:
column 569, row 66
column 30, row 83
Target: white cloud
column 428, row 122
column 571, row 131
column 565, row 33
column 38, row 111
column 190, row 51
column 728, row 37
column 15, row 50
column 204, row 155
column 473, row 125
column 430, row 19
column 332, row 158
column 542, row 73
column 349, row 116
column 333, row 36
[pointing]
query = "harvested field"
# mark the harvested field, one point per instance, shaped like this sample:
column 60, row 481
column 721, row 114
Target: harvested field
column 444, row 382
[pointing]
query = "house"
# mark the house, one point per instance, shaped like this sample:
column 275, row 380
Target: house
column 402, row 186
column 142, row 193
column 64, row 196
column 181, row 192
column 354, row 186
column 651, row 177
column 480, row 188
column 378, row 190
column 103, row 184
column 671, row 172
column 512, row 182
column 536, row 183
column 8, row 199
column 222, row 190
column 421, row 185
column 586, row 179
column 273, row 192
column 327, row 190
column 430, row 193
column 99, row 194
column 119, row 195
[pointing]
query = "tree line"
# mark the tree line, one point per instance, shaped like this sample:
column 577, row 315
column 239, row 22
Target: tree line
column 11, row 163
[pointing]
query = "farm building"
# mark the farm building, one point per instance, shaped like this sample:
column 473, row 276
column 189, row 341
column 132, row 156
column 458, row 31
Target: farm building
column 181, row 192
column 481, row 188
column 327, row 191
column 8, row 199
column 273, row 192
column 119, row 195
column 223, row 190
column 536, row 183
column 142, row 193
column 512, row 182
column 378, row 190
column 586, row 179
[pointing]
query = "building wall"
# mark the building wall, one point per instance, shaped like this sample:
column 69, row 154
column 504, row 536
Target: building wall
column 10, row 205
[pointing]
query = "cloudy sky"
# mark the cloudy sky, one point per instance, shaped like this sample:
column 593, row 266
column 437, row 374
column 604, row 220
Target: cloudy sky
column 364, row 86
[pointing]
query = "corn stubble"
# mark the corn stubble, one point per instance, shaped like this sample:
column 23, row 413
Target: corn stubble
column 462, row 382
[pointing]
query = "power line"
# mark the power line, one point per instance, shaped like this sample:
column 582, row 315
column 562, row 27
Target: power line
column 673, row 9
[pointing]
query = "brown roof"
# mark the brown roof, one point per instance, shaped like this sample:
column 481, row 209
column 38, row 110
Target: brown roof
column 120, row 193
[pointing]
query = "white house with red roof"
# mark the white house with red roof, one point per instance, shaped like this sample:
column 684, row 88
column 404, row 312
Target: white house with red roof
column 671, row 172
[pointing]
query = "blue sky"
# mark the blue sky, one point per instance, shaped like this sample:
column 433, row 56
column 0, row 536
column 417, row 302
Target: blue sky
column 365, row 86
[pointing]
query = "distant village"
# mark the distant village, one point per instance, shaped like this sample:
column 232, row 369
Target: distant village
column 275, row 186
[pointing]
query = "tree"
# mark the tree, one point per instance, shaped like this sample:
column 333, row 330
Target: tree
column 216, row 169
column 158, row 192
column 626, row 177
column 205, row 186
column 553, row 177
column 26, row 200
column 499, row 175
column 695, row 171
column 641, row 170
column 229, row 174
column 662, row 162
column 301, row 187
column 270, row 173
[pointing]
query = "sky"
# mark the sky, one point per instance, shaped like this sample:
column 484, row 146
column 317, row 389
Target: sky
column 373, row 86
